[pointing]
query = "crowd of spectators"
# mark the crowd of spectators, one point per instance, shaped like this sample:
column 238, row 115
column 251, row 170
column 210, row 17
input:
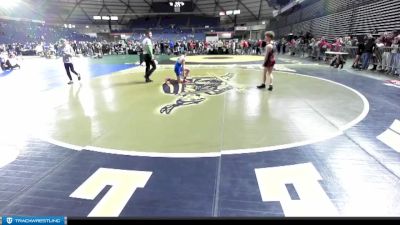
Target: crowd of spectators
column 381, row 50
column 27, row 38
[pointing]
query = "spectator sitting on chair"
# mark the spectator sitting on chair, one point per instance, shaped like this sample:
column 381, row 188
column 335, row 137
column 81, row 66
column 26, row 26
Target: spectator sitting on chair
column 338, row 60
column 8, row 61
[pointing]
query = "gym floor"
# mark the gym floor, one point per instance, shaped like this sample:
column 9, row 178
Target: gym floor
column 324, row 142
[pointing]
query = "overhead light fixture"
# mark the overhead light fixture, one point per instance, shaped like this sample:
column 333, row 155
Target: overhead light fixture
column 222, row 13
column 97, row 17
column 87, row 26
column 229, row 12
column 236, row 12
column 9, row 4
column 114, row 17
column 263, row 22
column 177, row 4
column 105, row 18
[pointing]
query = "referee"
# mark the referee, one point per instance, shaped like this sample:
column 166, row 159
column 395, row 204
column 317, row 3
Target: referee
column 148, row 55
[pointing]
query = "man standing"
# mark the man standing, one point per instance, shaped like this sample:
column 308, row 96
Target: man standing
column 368, row 51
column 148, row 56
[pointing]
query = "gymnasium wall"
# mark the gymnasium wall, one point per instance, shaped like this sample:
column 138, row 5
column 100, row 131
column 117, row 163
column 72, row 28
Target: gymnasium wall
column 339, row 18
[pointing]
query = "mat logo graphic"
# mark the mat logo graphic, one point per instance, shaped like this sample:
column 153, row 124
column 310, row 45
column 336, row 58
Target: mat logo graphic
column 391, row 137
column 196, row 90
column 297, row 188
column 123, row 185
column 9, row 220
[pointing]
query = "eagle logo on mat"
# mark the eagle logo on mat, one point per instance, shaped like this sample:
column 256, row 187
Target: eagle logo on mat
column 195, row 90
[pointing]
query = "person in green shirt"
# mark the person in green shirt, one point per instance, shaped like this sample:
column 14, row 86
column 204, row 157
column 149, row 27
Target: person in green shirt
column 148, row 56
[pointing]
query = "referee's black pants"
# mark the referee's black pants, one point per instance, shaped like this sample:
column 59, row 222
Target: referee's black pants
column 149, row 61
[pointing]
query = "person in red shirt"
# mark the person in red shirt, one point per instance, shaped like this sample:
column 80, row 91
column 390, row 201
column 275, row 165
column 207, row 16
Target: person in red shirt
column 269, row 61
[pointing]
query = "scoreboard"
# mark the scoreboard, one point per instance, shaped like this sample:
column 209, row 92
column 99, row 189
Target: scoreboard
column 173, row 6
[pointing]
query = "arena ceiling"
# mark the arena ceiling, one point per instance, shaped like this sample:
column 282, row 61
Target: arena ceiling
column 82, row 11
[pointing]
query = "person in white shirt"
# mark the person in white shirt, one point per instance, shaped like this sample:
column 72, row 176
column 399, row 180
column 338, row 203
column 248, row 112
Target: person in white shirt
column 67, row 52
column 148, row 56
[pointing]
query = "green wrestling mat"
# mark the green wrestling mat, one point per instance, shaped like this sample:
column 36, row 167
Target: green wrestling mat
column 220, row 109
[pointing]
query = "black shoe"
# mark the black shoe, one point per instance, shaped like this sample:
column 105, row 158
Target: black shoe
column 79, row 76
column 270, row 88
column 261, row 86
column 341, row 66
column 148, row 80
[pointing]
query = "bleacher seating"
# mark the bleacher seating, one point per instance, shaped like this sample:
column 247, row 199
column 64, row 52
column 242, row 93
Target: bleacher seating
column 22, row 32
column 175, row 27
column 183, row 21
column 340, row 18
column 178, row 21
column 144, row 22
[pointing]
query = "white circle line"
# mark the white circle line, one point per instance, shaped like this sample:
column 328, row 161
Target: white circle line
column 152, row 154
column 197, row 59
column 311, row 141
column 60, row 143
column 363, row 98
column 229, row 152
column 281, row 147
